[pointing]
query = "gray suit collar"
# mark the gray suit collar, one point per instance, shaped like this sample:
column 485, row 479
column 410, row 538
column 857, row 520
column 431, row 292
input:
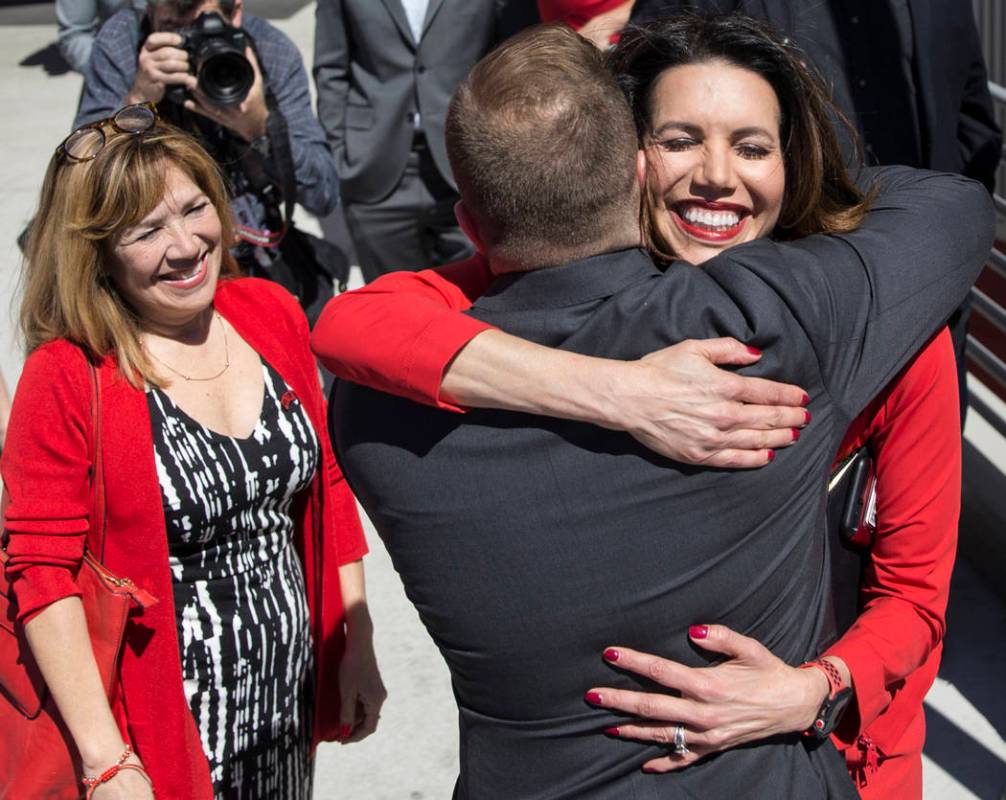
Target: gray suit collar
column 398, row 14
column 431, row 12
column 570, row 284
column 401, row 20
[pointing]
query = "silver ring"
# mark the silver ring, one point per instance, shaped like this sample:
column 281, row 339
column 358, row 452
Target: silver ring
column 680, row 747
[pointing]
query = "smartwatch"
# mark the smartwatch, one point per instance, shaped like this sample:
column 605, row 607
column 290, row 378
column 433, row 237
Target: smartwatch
column 834, row 705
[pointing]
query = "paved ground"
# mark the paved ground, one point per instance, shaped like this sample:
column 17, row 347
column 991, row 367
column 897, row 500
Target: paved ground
column 414, row 755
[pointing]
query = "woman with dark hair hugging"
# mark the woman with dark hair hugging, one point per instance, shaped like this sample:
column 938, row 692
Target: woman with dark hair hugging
column 738, row 147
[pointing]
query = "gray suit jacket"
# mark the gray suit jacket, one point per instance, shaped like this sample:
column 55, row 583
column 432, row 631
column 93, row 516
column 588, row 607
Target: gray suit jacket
column 372, row 77
column 529, row 544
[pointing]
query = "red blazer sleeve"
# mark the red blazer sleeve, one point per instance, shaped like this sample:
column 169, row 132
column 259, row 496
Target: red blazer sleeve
column 916, row 440
column 45, row 470
column 399, row 333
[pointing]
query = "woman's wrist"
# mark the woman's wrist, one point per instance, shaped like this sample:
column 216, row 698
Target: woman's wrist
column 98, row 754
column 359, row 622
column 595, row 389
column 815, row 689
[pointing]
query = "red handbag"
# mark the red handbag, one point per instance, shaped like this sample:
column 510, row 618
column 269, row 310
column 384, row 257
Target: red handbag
column 38, row 758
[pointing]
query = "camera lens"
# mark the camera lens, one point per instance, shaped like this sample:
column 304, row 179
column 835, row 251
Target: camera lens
column 225, row 75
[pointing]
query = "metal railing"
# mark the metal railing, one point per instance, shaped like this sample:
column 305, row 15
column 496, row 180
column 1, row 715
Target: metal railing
column 981, row 353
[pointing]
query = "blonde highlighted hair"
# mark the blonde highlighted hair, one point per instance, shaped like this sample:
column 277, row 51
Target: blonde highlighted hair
column 67, row 289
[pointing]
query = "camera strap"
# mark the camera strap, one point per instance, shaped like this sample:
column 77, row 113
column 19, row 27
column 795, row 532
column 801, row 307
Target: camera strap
column 279, row 144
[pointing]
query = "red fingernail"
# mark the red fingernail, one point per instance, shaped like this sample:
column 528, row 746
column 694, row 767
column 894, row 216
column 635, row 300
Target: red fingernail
column 344, row 731
column 796, row 434
column 611, row 654
column 771, row 455
column 594, row 698
column 612, row 731
column 754, row 350
column 698, row 631
column 806, row 400
column 806, row 417
column 649, row 769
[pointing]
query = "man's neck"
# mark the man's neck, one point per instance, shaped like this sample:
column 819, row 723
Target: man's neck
column 501, row 266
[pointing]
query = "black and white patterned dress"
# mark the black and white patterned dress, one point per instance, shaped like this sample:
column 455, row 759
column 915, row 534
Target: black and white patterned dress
column 239, row 593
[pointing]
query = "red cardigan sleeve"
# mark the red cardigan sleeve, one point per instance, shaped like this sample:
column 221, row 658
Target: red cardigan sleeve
column 916, row 440
column 399, row 333
column 45, row 470
column 342, row 520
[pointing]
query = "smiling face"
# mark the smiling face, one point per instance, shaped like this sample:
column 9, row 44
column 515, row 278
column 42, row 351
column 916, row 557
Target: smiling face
column 715, row 161
column 167, row 265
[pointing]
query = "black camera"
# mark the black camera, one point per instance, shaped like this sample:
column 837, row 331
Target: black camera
column 217, row 58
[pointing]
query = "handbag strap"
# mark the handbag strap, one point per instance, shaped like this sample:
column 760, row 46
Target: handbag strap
column 96, row 537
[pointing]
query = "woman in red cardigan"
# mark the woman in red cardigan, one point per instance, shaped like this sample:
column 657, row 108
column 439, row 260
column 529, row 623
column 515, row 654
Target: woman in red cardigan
column 729, row 152
column 223, row 497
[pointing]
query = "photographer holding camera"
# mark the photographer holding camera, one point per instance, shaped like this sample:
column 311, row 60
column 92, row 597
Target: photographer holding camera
column 239, row 85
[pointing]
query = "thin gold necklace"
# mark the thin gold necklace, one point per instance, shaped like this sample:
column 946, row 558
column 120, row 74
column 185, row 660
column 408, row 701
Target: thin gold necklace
column 227, row 357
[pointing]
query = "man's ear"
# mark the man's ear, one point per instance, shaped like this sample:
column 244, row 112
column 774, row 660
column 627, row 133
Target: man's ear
column 642, row 168
column 468, row 225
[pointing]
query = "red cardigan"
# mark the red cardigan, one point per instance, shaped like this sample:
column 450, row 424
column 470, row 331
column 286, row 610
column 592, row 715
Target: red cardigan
column 893, row 650
column 45, row 464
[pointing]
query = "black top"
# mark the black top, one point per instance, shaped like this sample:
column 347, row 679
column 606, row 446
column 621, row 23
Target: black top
column 529, row 544
column 243, row 628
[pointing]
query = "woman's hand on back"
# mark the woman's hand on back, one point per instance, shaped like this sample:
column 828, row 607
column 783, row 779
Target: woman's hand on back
column 750, row 696
column 679, row 402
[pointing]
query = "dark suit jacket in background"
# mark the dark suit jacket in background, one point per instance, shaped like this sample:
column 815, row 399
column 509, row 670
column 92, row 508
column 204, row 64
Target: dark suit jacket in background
column 528, row 544
column 372, row 76
column 951, row 102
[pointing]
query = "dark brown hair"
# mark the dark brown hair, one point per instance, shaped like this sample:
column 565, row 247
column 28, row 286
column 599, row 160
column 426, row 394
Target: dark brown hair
column 543, row 148
column 820, row 197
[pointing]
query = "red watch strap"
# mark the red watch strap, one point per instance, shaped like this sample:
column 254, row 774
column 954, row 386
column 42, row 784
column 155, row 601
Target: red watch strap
column 835, row 682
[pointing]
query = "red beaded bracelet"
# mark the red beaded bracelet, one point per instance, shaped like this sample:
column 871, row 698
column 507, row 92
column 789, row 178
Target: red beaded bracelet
column 92, row 782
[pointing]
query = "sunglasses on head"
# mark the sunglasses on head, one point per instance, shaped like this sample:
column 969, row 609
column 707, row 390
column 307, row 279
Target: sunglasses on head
column 86, row 142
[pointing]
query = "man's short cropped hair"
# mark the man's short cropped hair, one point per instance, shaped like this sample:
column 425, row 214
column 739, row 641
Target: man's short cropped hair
column 543, row 148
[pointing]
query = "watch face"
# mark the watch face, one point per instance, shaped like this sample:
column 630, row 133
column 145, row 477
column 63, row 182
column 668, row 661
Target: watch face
column 830, row 713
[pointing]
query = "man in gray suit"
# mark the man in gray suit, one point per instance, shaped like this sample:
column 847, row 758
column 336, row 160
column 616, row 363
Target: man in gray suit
column 385, row 71
column 527, row 543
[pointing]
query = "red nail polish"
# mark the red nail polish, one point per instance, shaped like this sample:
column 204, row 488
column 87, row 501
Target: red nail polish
column 594, row 698
column 698, row 631
column 649, row 769
column 806, row 417
column 806, row 400
column 754, row 350
column 611, row 654
column 771, row 455
column 612, row 731
column 796, row 434
column 344, row 731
